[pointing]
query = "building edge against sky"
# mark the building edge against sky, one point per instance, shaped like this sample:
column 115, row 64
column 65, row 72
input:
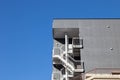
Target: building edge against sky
column 83, row 45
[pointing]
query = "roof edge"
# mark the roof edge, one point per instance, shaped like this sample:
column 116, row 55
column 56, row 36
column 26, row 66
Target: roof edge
column 83, row 18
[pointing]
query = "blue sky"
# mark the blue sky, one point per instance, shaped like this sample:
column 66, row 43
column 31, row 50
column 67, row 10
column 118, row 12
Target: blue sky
column 26, row 32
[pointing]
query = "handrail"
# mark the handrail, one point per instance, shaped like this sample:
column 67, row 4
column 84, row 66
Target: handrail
column 59, row 55
column 74, row 63
column 74, row 59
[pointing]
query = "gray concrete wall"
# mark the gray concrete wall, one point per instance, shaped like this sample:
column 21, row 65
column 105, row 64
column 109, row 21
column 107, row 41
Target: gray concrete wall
column 101, row 40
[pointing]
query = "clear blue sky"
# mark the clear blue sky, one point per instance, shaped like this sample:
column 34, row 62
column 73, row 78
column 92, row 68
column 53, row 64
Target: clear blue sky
column 26, row 32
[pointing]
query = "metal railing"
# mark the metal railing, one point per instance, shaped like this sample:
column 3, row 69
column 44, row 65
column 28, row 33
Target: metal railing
column 59, row 53
column 77, row 42
column 77, row 64
column 56, row 75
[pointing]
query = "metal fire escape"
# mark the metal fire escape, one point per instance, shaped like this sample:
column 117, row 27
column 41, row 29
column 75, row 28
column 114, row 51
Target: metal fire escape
column 66, row 59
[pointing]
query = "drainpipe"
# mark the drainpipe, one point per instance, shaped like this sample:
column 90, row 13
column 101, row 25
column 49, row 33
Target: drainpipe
column 66, row 54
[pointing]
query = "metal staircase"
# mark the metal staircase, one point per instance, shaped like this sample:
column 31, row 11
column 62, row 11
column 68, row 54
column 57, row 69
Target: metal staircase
column 71, row 64
column 64, row 57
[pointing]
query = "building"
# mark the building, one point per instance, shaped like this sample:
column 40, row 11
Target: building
column 86, row 49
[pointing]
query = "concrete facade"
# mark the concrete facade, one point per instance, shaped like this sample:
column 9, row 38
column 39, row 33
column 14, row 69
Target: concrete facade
column 101, row 40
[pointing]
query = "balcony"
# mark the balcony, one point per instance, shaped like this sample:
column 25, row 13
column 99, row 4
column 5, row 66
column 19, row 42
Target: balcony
column 77, row 42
